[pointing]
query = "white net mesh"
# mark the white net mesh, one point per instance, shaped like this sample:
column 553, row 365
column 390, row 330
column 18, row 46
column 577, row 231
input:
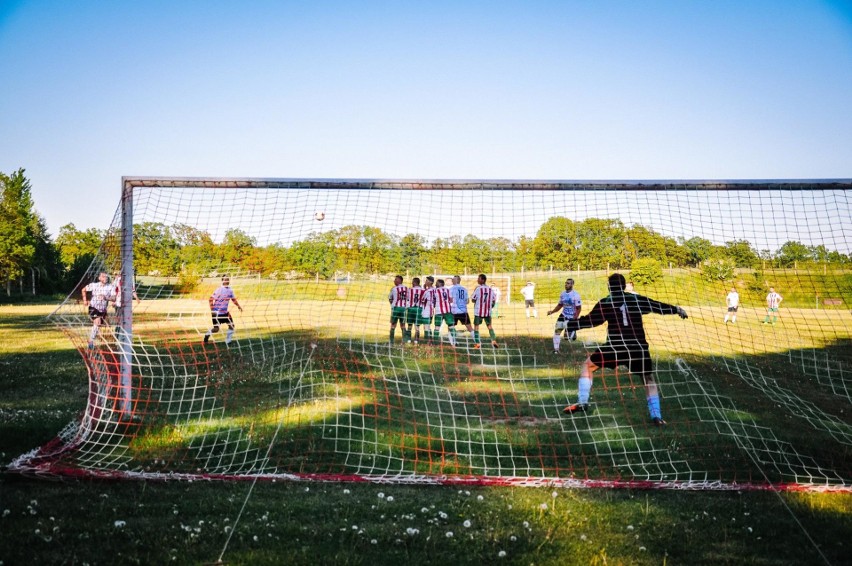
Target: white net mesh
column 307, row 383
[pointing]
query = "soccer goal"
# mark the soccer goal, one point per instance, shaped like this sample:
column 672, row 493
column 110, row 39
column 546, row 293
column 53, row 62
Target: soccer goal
column 270, row 340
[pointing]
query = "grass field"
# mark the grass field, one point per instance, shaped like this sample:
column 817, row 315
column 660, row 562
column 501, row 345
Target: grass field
column 43, row 386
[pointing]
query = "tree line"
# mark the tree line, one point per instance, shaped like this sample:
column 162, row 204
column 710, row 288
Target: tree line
column 30, row 259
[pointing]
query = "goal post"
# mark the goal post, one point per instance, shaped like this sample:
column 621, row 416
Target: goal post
column 269, row 341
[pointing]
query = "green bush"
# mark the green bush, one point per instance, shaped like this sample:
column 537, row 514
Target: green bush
column 718, row 269
column 188, row 281
column 645, row 271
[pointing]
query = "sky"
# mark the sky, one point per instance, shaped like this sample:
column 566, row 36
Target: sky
column 562, row 90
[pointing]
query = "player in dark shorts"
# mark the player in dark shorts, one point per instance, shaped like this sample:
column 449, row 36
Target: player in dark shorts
column 625, row 344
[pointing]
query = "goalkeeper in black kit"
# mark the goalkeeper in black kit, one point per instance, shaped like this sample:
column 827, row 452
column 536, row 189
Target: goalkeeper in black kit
column 625, row 343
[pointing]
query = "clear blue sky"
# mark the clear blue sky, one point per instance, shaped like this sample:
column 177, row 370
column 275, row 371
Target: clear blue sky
column 555, row 90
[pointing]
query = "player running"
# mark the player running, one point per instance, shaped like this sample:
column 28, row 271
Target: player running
column 102, row 294
column 569, row 302
column 219, row 302
column 413, row 318
column 398, row 299
column 625, row 344
column 484, row 298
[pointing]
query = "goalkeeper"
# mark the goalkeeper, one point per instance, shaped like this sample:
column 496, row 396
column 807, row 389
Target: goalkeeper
column 625, row 344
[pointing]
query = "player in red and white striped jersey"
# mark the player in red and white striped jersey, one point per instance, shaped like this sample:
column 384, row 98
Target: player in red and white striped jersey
column 413, row 319
column 442, row 310
column 398, row 299
column 483, row 301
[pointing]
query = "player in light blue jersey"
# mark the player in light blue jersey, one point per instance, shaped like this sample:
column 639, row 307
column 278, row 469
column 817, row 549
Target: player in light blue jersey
column 569, row 302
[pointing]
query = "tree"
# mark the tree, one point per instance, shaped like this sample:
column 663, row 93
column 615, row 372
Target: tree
column 154, row 249
column 236, row 247
column 698, row 250
column 792, row 252
column 598, row 243
column 718, row 269
column 554, row 243
column 646, row 243
column 645, row 271
column 412, row 253
column 77, row 249
column 18, row 223
column 315, row 256
column 741, row 253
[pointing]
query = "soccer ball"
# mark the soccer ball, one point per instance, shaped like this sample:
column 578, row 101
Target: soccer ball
column 319, row 216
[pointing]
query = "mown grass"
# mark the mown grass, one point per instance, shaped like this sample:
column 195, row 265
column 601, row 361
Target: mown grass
column 43, row 386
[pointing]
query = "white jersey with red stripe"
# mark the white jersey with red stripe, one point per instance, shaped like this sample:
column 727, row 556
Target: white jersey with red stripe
column 398, row 296
column 483, row 300
column 414, row 296
column 441, row 301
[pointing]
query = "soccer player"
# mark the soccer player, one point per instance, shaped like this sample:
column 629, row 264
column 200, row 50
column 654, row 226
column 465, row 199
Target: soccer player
column 528, row 293
column 460, row 298
column 442, row 310
column 733, row 302
column 117, row 305
column 219, row 302
column 427, row 301
column 412, row 311
column 398, row 299
column 625, row 345
column 102, row 293
column 484, row 300
column 773, row 301
column 569, row 302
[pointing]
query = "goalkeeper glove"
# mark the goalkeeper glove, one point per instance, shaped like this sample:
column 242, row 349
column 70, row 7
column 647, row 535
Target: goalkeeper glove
column 682, row 313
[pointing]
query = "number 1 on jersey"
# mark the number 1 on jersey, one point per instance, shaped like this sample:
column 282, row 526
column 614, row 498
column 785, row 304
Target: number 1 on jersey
column 623, row 309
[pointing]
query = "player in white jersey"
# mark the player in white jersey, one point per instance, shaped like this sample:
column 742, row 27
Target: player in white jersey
column 413, row 318
column 219, row 302
column 733, row 302
column 398, row 299
column 569, row 302
column 484, row 300
column 101, row 295
column 528, row 292
column 460, row 300
column 773, row 301
column 442, row 304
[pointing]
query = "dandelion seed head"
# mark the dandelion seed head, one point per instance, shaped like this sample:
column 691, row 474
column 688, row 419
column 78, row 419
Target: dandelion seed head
column 479, row 498
column 120, row 524
column 501, row 554
column 466, row 523
column 389, row 498
column 381, row 495
column 449, row 534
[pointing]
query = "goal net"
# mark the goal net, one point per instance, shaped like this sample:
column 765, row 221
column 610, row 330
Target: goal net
column 312, row 362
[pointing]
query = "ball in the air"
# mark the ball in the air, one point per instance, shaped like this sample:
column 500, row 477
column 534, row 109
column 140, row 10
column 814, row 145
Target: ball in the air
column 319, row 216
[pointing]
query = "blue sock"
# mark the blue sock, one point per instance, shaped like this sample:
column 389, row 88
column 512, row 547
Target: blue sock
column 654, row 407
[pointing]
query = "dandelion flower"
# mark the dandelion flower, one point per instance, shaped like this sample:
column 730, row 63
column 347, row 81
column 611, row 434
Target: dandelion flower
column 466, row 523
column 543, row 506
